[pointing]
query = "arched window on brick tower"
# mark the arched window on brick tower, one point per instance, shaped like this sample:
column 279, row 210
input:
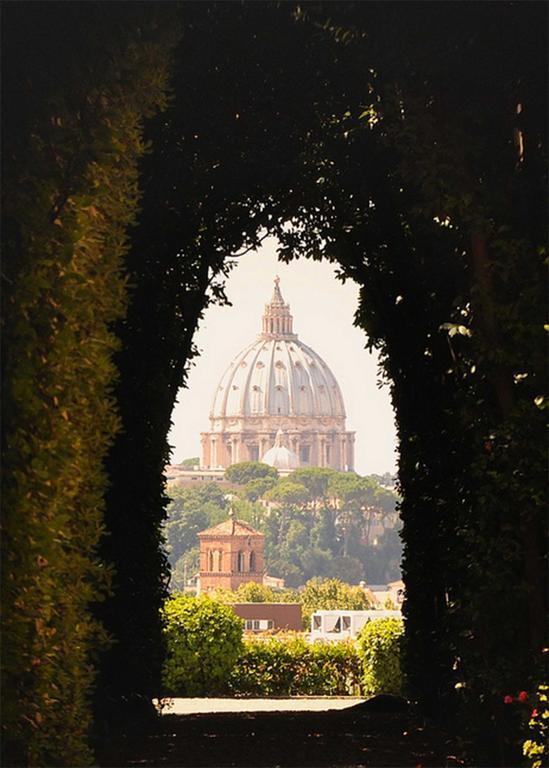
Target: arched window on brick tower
column 252, row 562
column 210, row 560
column 240, row 565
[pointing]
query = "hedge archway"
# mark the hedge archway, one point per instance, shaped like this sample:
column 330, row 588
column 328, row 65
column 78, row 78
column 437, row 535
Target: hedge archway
column 359, row 133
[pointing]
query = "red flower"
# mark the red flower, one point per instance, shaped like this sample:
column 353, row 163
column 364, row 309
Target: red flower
column 522, row 696
column 507, row 699
column 534, row 713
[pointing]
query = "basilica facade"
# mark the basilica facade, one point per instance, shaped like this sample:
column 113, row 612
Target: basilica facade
column 278, row 402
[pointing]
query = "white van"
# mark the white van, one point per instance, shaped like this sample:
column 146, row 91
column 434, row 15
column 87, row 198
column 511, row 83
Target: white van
column 338, row 625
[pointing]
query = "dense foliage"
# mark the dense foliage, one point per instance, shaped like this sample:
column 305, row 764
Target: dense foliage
column 253, row 592
column 204, row 640
column 469, row 230
column 192, row 510
column 289, row 666
column 72, row 140
column 346, row 530
column 379, row 650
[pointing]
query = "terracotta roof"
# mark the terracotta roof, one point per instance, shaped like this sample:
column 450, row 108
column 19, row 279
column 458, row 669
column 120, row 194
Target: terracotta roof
column 231, row 527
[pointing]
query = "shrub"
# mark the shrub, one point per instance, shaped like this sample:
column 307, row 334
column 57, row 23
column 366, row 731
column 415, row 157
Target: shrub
column 204, row 640
column 288, row 666
column 379, row 647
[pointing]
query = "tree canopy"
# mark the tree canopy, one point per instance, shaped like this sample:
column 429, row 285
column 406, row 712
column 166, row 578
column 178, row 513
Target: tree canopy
column 352, row 535
column 246, row 471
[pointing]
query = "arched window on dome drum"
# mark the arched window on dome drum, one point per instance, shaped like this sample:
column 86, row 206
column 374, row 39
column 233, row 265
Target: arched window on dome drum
column 252, row 562
column 279, row 398
column 218, row 556
column 210, row 561
column 256, row 401
column 240, row 567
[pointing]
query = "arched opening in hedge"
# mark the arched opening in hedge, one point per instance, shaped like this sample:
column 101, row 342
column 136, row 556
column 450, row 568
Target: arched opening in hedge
column 362, row 134
column 321, row 310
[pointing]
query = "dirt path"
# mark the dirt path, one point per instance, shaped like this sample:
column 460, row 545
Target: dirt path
column 347, row 737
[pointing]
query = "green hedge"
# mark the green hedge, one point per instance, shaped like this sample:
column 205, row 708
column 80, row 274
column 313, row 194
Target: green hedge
column 204, row 641
column 73, row 141
column 289, row 666
column 206, row 656
column 379, row 649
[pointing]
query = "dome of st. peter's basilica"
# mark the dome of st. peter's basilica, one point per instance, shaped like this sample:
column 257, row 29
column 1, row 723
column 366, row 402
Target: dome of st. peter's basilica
column 277, row 384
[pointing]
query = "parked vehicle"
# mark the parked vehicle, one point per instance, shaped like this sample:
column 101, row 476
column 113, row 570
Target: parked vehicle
column 338, row 625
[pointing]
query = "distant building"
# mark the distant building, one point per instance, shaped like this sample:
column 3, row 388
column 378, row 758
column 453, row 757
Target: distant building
column 176, row 475
column 273, row 582
column 278, row 402
column 393, row 592
column 231, row 554
column 344, row 624
column 262, row 617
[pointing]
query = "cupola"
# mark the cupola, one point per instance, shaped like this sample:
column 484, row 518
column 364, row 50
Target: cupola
column 279, row 456
column 277, row 320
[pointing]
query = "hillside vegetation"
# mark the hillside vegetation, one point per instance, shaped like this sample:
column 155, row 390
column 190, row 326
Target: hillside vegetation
column 317, row 523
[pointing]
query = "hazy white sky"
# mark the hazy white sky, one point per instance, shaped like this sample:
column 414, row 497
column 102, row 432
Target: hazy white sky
column 323, row 311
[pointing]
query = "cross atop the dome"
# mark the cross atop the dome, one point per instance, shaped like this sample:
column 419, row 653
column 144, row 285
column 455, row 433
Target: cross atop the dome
column 277, row 296
column 277, row 320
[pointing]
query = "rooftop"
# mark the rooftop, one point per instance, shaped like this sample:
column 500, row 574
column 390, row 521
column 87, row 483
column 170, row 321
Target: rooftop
column 231, row 527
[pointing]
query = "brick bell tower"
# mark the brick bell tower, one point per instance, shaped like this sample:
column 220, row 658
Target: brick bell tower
column 231, row 554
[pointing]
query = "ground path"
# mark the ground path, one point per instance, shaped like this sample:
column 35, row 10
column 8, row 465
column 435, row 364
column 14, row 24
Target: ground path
column 317, row 732
column 296, row 704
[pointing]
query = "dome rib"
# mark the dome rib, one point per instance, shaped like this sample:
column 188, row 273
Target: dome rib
column 290, row 381
column 335, row 396
column 245, row 402
column 306, row 369
column 227, row 381
column 269, row 390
